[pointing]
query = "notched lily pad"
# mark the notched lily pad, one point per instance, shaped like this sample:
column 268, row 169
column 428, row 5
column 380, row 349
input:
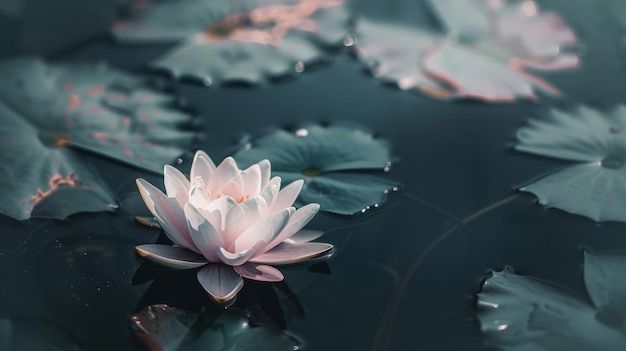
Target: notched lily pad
column 596, row 187
column 524, row 314
column 171, row 329
column 339, row 164
column 500, row 42
column 50, row 110
column 243, row 41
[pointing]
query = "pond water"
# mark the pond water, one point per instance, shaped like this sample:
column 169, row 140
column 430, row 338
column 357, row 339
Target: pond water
column 403, row 276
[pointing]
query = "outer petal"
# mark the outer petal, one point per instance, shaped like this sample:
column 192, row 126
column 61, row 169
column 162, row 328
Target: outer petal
column 259, row 272
column 287, row 196
column 204, row 235
column 292, row 253
column 176, row 185
column 171, row 256
column 299, row 219
column 263, row 232
column 171, row 221
column 202, row 167
column 266, row 169
column 304, row 236
column 220, row 281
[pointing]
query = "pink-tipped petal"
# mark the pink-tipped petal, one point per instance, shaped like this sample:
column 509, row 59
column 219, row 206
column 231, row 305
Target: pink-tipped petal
column 176, row 185
column 170, row 256
column 233, row 259
column 232, row 189
column 172, row 219
column 259, row 272
column 251, row 180
column 266, row 169
column 304, row 236
column 224, row 173
column 202, row 167
column 220, row 281
column 262, row 232
column 206, row 238
column 287, row 196
column 292, row 253
column 299, row 219
column 149, row 193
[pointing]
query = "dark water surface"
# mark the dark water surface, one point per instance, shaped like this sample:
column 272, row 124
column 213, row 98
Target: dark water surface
column 76, row 274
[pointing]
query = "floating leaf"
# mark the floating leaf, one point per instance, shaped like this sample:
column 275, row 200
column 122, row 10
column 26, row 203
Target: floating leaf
column 596, row 187
column 46, row 108
column 524, row 314
column 171, row 329
column 34, row 334
column 500, row 43
column 336, row 163
column 244, row 41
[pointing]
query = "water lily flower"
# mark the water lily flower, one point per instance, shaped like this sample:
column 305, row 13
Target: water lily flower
column 232, row 223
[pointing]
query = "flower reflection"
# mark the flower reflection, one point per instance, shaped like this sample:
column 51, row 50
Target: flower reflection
column 233, row 223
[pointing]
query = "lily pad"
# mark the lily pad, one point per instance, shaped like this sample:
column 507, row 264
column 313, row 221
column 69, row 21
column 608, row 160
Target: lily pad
column 49, row 111
column 596, row 187
column 34, row 334
column 519, row 313
column 171, row 329
column 243, row 41
column 499, row 43
column 337, row 163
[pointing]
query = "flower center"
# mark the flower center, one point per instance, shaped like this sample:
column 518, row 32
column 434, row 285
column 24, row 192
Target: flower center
column 311, row 172
column 239, row 200
column 612, row 162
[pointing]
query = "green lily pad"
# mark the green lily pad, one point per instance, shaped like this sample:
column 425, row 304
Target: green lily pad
column 338, row 164
column 596, row 187
column 488, row 51
column 50, row 111
column 34, row 334
column 173, row 330
column 519, row 313
column 243, row 41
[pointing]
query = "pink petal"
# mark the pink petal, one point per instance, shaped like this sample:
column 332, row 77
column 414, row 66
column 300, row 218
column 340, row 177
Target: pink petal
column 299, row 219
column 171, row 218
column 220, row 281
column 261, row 233
column 287, row 196
column 292, row 253
column 224, row 173
column 232, row 189
column 259, row 272
column 176, row 185
column 206, row 238
column 202, row 167
column 251, row 180
column 233, row 259
column 170, row 256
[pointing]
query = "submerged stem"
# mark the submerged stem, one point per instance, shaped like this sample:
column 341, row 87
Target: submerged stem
column 390, row 314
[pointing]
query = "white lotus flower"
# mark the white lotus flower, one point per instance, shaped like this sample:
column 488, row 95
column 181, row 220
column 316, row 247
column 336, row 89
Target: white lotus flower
column 230, row 222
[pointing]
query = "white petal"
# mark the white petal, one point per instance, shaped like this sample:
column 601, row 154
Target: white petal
column 304, row 236
column 170, row 256
column 224, row 173
column 287, row 196
column 232, row 189
column 202, row 167
column 269, row 194
column 259, row 272
column 262, row 232
column 233, row 259
column 220, row 281
column 206, row 238
column 292, row 253
column 176, row 185
column 172, row 219
column 198, row 196
column 149, row 193
column 251, row 180
column 219, row 208
column 255, row 208
column 266, row 169
column 235, row 223
column 299, row 219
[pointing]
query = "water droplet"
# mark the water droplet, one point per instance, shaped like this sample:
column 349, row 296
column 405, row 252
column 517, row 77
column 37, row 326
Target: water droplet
column 179, row 160
column 207, row 81
column 296, row 348
column 612, row 162
column 299, row 67
column 363, row 210
column 350, row 39
column 386, row 169
column 395, row 188
column 614, row 129
column 301, row 133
